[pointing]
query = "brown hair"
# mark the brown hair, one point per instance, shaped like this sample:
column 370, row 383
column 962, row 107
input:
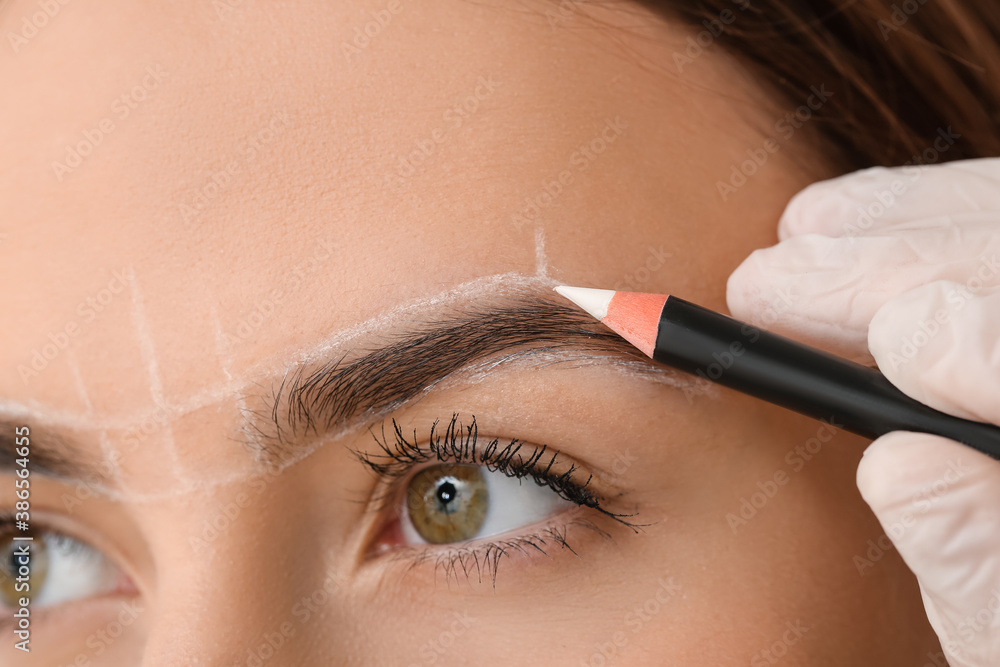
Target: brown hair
column 901, row 72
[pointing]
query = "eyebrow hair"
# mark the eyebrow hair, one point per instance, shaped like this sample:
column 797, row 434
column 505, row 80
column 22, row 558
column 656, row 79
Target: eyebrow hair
column 312, row 400
column 315, row 401
column 49, row 453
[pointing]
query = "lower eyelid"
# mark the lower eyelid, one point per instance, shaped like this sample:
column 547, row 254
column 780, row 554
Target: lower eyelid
column 479, row 560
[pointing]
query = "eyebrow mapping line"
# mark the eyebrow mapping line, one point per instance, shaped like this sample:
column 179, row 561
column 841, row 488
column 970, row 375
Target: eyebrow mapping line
column 148, row 351
column 102, row 436
column 315, row 351
column 529, row 291
column 541, row 260
column 225, row 354
column 324, row 349
column 636, row 368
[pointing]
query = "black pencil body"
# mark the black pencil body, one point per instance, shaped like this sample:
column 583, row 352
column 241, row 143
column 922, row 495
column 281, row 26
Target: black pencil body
column 801, row 378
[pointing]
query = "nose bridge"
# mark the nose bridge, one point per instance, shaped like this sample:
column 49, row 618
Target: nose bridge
column 236, row 588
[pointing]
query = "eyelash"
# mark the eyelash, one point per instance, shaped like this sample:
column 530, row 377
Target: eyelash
column 396, row 459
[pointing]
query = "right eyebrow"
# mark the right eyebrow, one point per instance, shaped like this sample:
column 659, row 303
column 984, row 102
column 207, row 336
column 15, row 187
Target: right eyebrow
column 315, row 400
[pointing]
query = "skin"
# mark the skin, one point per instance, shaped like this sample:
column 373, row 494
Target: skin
column 330, row 171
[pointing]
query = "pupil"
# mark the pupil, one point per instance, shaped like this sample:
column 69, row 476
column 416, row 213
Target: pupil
column 446, row 492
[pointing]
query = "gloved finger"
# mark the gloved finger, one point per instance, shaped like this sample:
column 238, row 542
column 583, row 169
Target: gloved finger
column 940, row 344
column 874, row 200
column 939, row 503
column 825, row 290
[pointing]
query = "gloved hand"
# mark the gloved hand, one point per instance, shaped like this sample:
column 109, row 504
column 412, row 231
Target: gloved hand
column 902, row 266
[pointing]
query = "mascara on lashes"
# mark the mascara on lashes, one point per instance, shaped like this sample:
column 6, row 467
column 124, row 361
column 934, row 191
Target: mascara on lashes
column 459, row 444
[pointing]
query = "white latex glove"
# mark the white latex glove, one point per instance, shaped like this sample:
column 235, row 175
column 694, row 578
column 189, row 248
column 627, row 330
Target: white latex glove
column 903, row 265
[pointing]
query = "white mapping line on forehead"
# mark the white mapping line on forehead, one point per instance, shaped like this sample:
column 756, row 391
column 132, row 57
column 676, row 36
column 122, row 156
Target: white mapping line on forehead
column 225, row 354
column 148, row 351
column 110, row 459
column 187, row 487
column 487, row 287
column 337, row 343
column 81, row 390
column 635, row 368
column 278, row 363
column 541, row 260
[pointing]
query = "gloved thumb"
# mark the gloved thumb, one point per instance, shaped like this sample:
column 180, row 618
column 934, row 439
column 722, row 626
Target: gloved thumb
column 939, row 503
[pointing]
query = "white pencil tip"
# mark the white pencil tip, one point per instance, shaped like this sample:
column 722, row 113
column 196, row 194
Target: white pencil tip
column 594, row 301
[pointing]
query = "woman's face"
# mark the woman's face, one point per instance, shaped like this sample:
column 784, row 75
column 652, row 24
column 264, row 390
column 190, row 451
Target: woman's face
column 243, row 243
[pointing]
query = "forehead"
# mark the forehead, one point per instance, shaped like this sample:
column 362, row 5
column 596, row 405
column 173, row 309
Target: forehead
column 194, row 187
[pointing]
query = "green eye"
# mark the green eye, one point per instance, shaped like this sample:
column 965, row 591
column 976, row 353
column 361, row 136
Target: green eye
column 451, row 503
column 448, row 503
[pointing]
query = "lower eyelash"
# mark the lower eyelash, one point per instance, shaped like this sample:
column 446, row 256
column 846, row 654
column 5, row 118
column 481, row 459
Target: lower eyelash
column 396, row 459
column 477, row 560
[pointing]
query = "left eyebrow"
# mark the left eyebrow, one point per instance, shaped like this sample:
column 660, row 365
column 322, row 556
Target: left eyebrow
column 528, row 321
